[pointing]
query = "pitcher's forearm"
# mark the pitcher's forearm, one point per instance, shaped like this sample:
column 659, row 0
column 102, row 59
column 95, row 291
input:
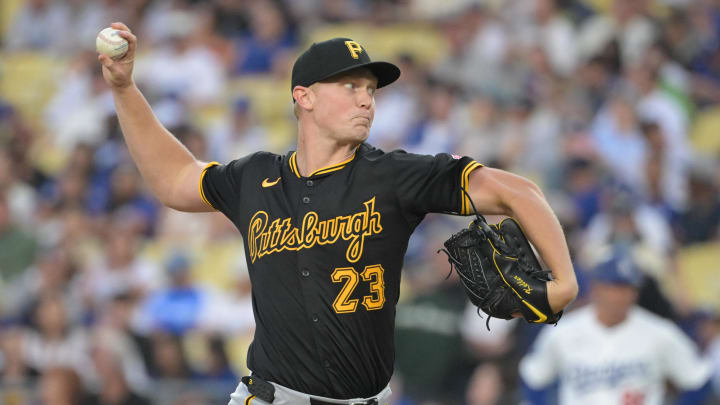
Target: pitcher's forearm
column 543, row 229
column 499, row 192
column 159, row 156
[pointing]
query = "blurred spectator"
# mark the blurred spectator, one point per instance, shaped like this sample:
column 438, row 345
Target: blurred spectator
column 180, row 71
column 627, row 220
column 53, row 340
column 487, row 341
column 68, row 191
column 126, row 196
column 218, row 367
column 176, row 227
column 595, row 77
column 239, row 136
column 338, row 11
column 14, row 369
column 656, row 103
column 646, row 234
column 398, row 107
column 54, row 271
column 21, row 197
column 110, row 339
column 169, row 360
column 89, row 17
column 584, row 189
column 271, row 32
column 436, row 131
column 656, row 106
column 611, row 351
column 119, row 270
column 531, row 139
column 475, row 38
column 193, row 139
column 664, row 181
column 114, row 389
column 177, row 308
column 619, row 143
column 428, row 332
column 704, row 29
column 713, row 352
column 184, row 305
column 17, row 248
column 626, row 24
column 700, row 221
column 487, row 387
column 36, row 26
column 673, row 77
column 480, row 121
column 678, row 34
column 61, row 386
column 231, row 18
column 79, row 109
column 120, row 319
column 553, row 34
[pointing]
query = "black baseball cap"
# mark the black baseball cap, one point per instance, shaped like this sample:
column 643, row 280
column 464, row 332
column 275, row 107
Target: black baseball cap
column 328, row 58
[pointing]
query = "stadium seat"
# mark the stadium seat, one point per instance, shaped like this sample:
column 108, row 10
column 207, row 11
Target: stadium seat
column 28, row 80
column 698, row 269
column 8, row 9
column 386, row 42
column 704, row 134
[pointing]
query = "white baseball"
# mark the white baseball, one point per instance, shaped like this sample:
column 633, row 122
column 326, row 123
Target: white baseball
column 109, row 43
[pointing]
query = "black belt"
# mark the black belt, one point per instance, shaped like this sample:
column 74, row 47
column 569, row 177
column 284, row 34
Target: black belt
column 266, row 392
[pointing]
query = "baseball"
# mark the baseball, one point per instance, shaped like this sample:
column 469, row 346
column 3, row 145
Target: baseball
column 109, row 43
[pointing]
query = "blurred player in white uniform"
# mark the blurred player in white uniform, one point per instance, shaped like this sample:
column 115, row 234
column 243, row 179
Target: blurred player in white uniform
column 612, row 352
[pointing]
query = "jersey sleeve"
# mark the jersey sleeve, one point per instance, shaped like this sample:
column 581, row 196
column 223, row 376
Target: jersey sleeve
column 220, row 185
column 539, row 368
column 681, row 360
column 427, row 183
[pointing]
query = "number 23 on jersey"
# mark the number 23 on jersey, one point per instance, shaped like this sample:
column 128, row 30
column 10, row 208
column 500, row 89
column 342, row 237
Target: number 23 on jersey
column 372, row 274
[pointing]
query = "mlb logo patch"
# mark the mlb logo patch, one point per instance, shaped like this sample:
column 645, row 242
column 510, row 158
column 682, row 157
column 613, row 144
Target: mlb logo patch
column 455, row 156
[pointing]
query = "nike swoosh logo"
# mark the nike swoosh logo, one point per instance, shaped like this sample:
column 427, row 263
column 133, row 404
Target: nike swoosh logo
column 266, row 183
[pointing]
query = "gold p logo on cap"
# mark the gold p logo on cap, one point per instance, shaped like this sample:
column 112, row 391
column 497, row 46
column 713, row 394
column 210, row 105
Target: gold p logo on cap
column 354, row 48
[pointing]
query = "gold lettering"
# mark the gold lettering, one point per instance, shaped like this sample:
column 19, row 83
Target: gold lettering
column 373, row 218
column 354, row 48
column 258, row 222
column 265, row 237
column 275, row 229
column 289, row 233
column 308, row 229
column 526, row 287
column 333, row 235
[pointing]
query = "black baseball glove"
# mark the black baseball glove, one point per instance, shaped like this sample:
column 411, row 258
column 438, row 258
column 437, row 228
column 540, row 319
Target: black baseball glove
column 499, row 271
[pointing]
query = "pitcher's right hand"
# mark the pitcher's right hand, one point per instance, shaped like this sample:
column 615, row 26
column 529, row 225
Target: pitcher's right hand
column 118, row 73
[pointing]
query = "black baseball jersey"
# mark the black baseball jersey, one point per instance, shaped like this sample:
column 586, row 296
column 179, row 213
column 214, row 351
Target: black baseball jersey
column 324, row 254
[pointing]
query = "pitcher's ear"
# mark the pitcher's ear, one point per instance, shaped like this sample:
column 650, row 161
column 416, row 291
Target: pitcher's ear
column 304, row 97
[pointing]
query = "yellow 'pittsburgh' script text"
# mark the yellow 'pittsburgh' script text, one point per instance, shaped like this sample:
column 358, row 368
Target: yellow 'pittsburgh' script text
column 265, row 237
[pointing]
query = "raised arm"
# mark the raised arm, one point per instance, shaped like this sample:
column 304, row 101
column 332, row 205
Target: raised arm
column 170, row 170
column 502, row 193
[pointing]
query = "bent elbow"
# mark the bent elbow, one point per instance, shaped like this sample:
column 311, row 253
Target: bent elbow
column 561, row 293
column 169, row 202
column 568, row 293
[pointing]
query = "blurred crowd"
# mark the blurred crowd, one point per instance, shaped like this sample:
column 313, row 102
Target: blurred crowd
column 106, row 297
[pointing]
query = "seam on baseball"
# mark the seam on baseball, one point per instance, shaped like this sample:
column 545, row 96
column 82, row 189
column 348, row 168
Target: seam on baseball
column 110, row 41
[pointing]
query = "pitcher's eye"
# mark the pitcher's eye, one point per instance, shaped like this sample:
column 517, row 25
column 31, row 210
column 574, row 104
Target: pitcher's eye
column 349, row 85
